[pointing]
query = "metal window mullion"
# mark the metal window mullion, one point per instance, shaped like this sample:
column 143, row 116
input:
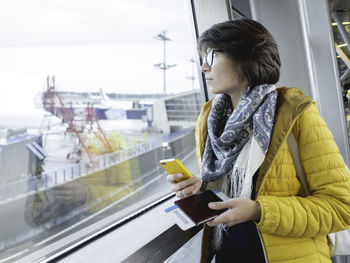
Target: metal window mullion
column 341, row 28
column 343, row 56
column 345, row 75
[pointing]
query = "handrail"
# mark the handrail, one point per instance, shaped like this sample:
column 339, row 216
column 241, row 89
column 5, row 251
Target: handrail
column 163, row 246
column 106, row 230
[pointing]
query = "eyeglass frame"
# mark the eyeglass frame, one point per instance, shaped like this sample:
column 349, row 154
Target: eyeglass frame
column 205, row 58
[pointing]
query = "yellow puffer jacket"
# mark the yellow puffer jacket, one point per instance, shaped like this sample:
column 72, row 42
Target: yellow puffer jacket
column 293, row 227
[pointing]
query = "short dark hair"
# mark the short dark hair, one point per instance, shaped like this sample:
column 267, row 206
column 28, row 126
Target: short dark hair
column 249, row 44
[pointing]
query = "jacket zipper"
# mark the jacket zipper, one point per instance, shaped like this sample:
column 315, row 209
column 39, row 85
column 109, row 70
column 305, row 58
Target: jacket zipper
column 262, row 183
column 262, row 244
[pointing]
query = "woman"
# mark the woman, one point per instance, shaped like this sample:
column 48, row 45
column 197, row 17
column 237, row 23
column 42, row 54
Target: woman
column 242, row 150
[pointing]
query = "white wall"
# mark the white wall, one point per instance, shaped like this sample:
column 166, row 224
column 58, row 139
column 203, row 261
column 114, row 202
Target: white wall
column 303, row 34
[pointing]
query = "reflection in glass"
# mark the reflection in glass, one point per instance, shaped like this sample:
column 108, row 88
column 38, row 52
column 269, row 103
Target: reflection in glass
column 85, row 118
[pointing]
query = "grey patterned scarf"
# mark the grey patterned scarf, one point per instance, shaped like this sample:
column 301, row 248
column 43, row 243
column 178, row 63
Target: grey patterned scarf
column 229, row 131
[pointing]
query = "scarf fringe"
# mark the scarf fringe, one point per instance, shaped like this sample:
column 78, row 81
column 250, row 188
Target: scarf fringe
column 232, row 187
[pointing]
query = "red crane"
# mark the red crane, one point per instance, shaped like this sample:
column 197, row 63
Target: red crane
column 49, row 102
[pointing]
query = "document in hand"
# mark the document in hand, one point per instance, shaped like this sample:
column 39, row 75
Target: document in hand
column 193, row 210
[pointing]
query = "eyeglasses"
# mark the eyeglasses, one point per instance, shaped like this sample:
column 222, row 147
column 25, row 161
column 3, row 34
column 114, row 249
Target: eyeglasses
column 209, row 57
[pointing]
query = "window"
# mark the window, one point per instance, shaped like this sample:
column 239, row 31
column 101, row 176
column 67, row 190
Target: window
column 93, row 94
column 340, row 15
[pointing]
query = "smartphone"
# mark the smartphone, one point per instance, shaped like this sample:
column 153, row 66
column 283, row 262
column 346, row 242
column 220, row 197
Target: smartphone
column 174, row 166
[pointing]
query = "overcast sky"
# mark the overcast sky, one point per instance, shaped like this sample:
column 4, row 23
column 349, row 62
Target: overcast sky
column 92, row 44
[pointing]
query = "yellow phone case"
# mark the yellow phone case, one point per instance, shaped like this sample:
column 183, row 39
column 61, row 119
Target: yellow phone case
column 174, row 166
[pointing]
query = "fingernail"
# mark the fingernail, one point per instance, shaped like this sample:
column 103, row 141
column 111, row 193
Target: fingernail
column 178, row 175
column 211, row 205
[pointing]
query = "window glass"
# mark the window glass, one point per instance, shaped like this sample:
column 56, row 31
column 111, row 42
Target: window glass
column 93, row 94
column 340, row 22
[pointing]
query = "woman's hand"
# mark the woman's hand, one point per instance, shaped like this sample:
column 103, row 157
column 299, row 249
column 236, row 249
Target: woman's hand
column 186, row 187
column 239, row 210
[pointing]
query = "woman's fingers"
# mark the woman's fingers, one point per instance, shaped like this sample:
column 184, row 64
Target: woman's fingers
column 185, row 187
column 185, row 183
column 222, row 205
column 226, row 218
column 172, row 178
column 239, row 210
column 193, row 188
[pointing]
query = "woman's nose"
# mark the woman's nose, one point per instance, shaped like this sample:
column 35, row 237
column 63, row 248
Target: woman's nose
column 205, row 67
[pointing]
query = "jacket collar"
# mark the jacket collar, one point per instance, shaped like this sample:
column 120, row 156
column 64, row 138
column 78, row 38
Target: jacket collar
column 291, row 103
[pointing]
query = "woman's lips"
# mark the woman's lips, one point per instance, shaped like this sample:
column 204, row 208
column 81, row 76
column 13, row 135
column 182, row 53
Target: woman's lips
column 208, row 79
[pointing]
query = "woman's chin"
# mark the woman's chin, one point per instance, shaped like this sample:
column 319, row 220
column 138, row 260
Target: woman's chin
column 214, row 90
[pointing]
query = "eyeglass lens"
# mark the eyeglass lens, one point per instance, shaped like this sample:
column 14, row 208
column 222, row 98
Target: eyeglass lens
column 209, row 57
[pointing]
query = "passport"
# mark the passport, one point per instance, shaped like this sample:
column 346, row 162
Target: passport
column 196, row 206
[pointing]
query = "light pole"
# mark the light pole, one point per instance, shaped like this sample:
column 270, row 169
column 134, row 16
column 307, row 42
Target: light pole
column 163, row 66
column 192, row 77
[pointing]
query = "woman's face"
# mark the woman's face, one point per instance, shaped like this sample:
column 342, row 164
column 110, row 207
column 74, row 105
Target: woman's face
column 222, row 76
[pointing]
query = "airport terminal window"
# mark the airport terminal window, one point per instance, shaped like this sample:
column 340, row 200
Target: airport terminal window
column 340, row 14
column 93, row 94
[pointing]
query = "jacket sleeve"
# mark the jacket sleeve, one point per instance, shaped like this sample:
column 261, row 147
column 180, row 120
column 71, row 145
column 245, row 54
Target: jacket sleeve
column 327, row 209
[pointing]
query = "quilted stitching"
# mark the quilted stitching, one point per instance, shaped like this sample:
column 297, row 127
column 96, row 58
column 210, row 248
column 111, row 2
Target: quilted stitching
column 294, row 228
column 329, row 208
